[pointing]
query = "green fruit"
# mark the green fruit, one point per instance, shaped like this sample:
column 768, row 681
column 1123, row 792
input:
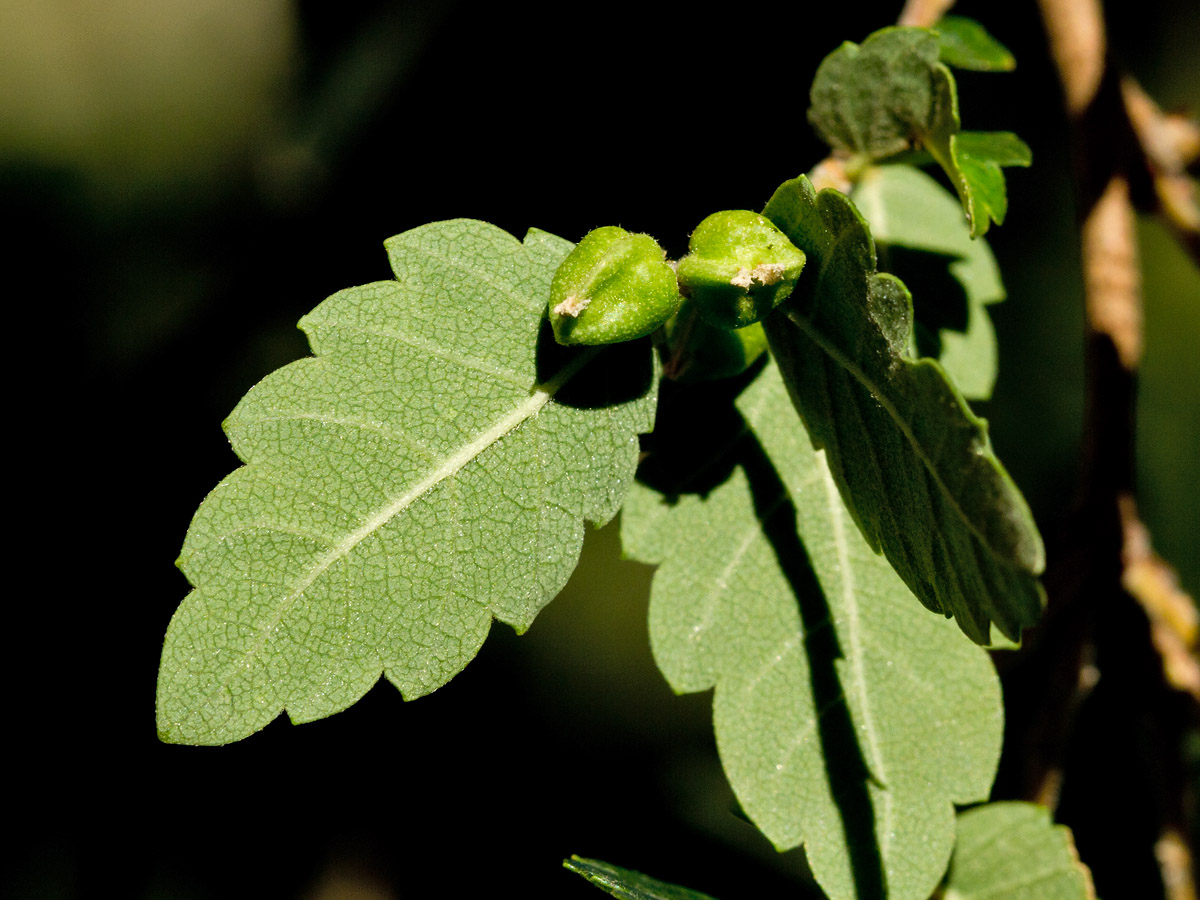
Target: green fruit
column 739, row 267
column 614, row 286
column 696, row 351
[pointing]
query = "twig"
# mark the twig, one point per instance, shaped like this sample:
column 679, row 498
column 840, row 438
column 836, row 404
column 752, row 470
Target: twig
column 1170, row 143
column 1110, row 151
column 923, row 13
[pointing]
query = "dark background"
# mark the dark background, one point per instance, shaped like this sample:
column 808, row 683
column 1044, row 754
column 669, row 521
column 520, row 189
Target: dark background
column 183, row 182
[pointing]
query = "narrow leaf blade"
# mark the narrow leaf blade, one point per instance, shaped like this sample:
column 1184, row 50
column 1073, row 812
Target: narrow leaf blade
column 847, row 719
column 626, row 884
column 1012, row 851
column 428, row 470
column 914, row 464
column 965, row 44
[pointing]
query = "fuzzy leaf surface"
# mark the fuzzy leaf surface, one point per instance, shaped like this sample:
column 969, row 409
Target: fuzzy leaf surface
column 914, row 464
column 1013, row 851
column 428, row 470
column 625, row 884
column 909, row 211
column 891, row 94
column 965, row 44
column 847, row 718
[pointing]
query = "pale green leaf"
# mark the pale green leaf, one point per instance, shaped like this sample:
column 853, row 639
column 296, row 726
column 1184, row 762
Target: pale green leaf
column 626, row 884
column 891, row 94
column 427, row 471
column 1012, row 851
column 914, row 463
column 965, row 44
column 847, row 718
column 909, row 211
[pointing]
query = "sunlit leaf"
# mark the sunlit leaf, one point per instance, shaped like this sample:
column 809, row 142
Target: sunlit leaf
column 847, row 718
column 1013, row 851
column 914, row 463
column 427, row 471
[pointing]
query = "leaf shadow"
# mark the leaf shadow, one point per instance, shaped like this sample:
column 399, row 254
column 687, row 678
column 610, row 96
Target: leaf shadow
column 619, row 373
column 939, row 299
column 846, row 768
column 696, row 441
column 699, row 439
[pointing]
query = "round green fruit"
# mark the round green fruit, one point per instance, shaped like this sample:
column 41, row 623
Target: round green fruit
column 739, row 267
column 614, row 286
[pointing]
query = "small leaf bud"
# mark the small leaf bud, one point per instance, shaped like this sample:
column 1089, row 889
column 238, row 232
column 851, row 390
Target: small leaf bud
column 614, row 286
column 739, row 267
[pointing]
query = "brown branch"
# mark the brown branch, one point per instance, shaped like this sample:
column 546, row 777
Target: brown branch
column 923, row 13
column 1106, row 562
column 1170, row 144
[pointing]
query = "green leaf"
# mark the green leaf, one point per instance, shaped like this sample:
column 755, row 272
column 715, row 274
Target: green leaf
column 914, row 463
column 1012, row 851
column 428, row 470
column 965, row 44
column 973, row 159
column 909, row 211
column 846, row 717
column 892, row 94
column 627, row 884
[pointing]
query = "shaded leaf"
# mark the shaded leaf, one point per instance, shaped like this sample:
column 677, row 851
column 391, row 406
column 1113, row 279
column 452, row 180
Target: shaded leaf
column 965, row 44
column 914, row 463
column 847, row 718
column 908, row 209
column 627, row 884
column 891, row 94
column 1012, row 851
column 428, row 470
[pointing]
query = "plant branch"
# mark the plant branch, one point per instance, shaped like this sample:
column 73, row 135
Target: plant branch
column 923, row 13
column 1170, row 144
column 1106, row 560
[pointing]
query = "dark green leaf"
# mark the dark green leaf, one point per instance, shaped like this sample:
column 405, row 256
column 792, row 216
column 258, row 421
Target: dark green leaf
column 1012, row 851
column 909, row 211
column 627, row 884
column 428, row 470
column 913, row 462
column 876, row 98
column 847, row 718
column 965, row 44
column 891, row 94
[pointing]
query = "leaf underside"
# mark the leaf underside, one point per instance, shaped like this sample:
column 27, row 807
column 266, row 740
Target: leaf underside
column 847, row 718
column 914, row 464
column 1012, row 851
column 917, row 227
column 428, row 470
column 626, row 884
column 891, row 94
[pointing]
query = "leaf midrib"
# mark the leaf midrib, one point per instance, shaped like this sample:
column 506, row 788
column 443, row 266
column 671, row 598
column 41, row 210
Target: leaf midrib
column 855, row 371
column 855, row 639
column 540, row 396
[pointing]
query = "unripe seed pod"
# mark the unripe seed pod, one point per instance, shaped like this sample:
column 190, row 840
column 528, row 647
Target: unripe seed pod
column 614, row 286
column 739, row 267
